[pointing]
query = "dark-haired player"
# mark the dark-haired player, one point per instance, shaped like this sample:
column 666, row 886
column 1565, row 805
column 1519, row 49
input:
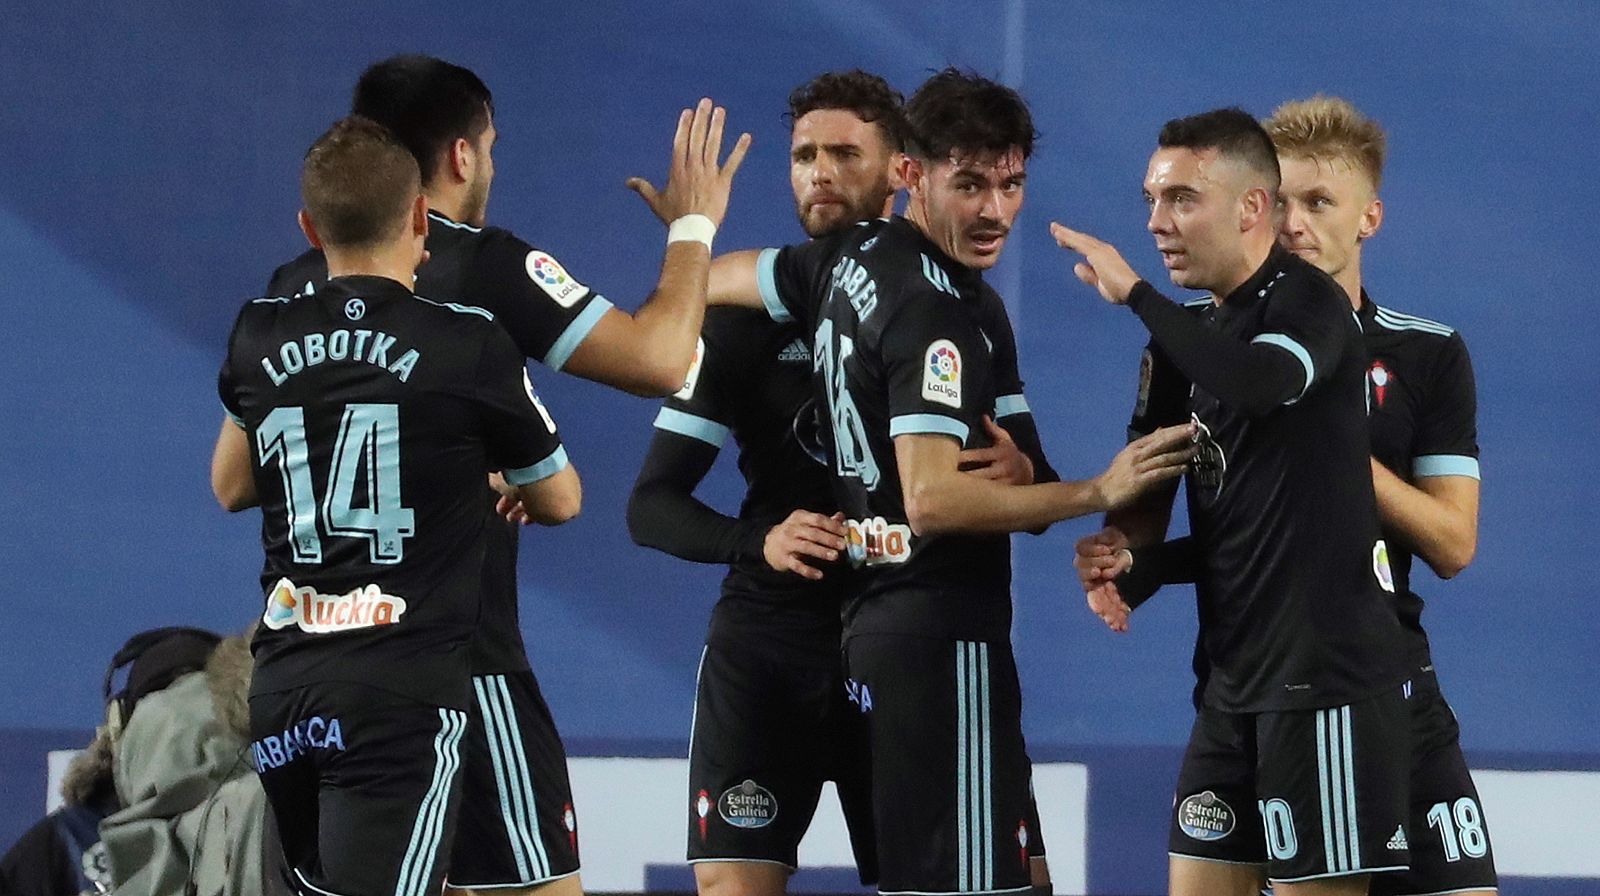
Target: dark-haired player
column 364, row 419
column 771, row 706
column 1296, row 766
column 518, row 828
column 905, row 376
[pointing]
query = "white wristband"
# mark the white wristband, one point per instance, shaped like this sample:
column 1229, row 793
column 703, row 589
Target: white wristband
column 692, row 228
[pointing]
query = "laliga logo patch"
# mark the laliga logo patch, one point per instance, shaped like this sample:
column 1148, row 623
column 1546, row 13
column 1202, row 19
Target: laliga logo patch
column 1380, row 565
column 1204, row 816
column 747, row 805
column 941, row 379
column 570, row 819
column 687, row 392
column 550, row 276
column 318, row 613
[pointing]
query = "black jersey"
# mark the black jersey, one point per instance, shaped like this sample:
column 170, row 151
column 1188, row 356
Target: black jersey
column 373, row 417
column 1424, row 410
column 751, row 379
column 898, row 348
column 1295, row 589
column 548, row 314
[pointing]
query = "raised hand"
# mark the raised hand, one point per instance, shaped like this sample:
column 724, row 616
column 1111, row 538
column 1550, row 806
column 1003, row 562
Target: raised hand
column 696, row 183
column 1102, row 266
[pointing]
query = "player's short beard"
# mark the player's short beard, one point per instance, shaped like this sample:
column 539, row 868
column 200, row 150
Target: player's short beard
column 475, row 206
column 870, row 206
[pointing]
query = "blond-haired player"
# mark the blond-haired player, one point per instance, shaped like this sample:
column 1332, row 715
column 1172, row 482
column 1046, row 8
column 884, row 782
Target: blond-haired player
column 1424, row 468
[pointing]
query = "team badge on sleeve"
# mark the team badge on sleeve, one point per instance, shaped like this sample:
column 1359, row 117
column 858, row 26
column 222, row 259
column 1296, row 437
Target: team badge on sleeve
column 550, row 276
column 687, row 392
column 941, row 378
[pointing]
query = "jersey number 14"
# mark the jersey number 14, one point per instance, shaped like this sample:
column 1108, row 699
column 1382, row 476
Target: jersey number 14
column 369, row 444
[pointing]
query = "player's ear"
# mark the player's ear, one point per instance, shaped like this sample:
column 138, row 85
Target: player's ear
column 1371, row 219
column 1257, row 204
column 419, row 216
column 462, row 158
column 309, row 229
column 911, row 172
column 897, row 176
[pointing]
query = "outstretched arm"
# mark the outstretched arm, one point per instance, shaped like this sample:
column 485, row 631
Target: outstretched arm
column 940, row 498
column 649, row 352
column 1255, row 377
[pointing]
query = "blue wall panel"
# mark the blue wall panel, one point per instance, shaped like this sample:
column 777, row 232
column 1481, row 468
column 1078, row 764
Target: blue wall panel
column 149, row 160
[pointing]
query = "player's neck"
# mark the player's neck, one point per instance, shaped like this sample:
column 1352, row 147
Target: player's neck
column 397, row 263
column 450, row 203
column 1256, row 251
column 1350, row 279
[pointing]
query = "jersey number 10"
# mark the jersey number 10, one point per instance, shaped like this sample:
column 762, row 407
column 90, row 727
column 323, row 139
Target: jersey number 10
column 368, row 443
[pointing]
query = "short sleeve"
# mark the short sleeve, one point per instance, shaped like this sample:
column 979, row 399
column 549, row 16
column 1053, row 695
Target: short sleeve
column 934, row 361
column 701, row 409
column 1447, row 430
column 794, row 279
column 520, row 436
column 1314, row 326
column 1002, row 343
column 547, row 310
column 1163, row 395
column 227, row 379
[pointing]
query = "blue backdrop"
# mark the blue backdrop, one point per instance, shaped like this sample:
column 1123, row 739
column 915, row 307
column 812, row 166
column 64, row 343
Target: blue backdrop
column 150, row 159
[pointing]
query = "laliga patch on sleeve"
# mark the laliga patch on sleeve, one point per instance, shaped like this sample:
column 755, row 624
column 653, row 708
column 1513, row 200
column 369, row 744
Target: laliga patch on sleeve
column 527, row 383
column 687, row 392
column 550, row 276
column 941, row 378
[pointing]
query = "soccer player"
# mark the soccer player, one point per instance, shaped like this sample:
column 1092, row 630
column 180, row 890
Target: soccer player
column 363, row 419
column 1423, row 418
column 518, row 829
column 1296, row 764
column 905, row 375
column 770, row 705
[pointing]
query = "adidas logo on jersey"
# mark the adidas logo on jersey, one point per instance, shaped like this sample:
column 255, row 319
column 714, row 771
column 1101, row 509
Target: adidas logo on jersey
column 1398, row 841
column 795, row 352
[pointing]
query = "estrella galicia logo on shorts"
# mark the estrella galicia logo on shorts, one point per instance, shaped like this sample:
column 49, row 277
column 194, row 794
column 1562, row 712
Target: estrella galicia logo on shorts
column 747, row 805
column 1204, row 816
